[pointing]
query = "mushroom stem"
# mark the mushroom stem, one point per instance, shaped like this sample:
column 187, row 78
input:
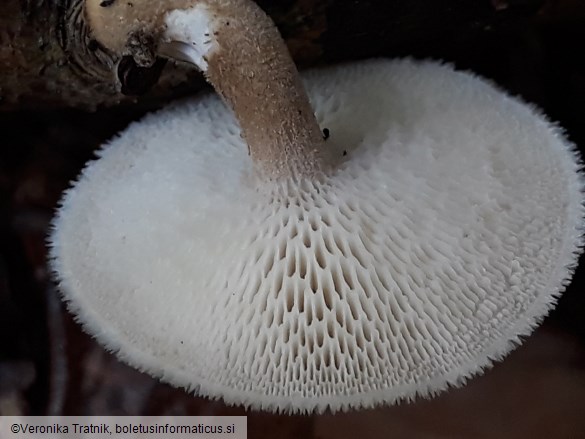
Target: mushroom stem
column 243, row 56
column 253, row 71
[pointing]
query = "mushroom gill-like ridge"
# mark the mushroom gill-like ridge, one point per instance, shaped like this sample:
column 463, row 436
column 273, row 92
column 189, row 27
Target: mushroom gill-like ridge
column 452, row 222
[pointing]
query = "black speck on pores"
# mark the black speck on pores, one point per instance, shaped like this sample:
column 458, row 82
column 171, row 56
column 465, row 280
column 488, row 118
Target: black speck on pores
column 344, row 153
column 325, row 133
column 106, row 3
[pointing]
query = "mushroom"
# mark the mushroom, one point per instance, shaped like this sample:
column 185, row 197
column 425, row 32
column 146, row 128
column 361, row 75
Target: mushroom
column 236, row 252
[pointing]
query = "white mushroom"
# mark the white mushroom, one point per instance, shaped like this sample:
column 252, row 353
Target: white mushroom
column 437, row 225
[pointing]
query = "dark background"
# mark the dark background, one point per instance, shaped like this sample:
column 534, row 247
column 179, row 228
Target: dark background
column 535, row 49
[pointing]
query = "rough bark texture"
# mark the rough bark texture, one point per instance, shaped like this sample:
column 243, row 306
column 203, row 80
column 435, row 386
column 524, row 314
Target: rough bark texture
column 48, row 59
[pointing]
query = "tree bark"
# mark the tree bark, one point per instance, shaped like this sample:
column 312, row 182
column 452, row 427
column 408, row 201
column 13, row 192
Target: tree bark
column 48, row 59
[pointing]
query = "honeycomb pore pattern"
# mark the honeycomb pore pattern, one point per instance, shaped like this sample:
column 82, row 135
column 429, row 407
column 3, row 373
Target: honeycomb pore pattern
column 449, row 226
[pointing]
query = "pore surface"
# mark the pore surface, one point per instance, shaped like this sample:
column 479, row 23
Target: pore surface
column 450, row 225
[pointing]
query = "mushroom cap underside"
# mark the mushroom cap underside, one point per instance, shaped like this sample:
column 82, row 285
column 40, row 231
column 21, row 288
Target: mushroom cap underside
column 450, row 225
